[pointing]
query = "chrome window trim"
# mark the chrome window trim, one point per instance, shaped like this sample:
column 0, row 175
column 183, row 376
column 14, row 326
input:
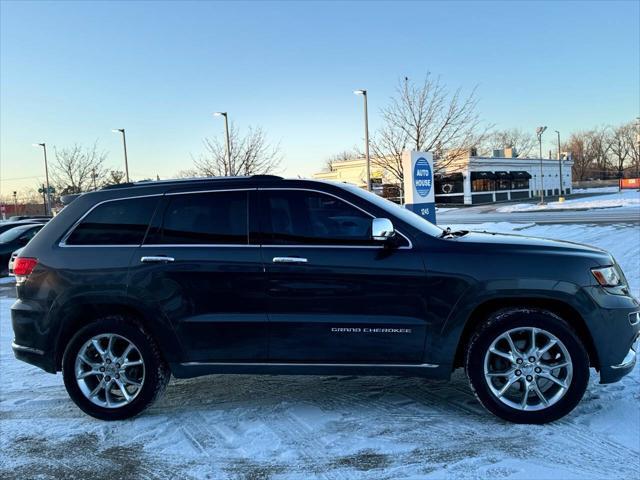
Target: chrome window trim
column 198, row 245
column 63, row 242
column 406, row 247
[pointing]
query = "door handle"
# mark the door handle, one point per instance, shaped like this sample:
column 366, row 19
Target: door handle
column 289, row 260
column 157, row 259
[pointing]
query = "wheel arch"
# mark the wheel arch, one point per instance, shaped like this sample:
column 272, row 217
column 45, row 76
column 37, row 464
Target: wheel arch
column 482, row 311
column 81, row 312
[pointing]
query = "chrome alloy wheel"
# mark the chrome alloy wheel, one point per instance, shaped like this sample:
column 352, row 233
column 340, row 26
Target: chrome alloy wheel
column 109, row 370
column 528, row 368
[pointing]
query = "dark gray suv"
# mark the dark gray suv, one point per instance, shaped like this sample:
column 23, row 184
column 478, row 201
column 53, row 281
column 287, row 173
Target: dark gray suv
column 129, row 285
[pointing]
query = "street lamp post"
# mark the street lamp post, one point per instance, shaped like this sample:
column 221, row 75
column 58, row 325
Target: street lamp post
column 539, row 132
column 46, row 173
column 366, row 136
column 226, row 138
column 124, row 144
column 561, row 198
column 15, row 203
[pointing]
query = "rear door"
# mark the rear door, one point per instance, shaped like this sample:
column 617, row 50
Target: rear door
column 334, row 295
column 198, row 268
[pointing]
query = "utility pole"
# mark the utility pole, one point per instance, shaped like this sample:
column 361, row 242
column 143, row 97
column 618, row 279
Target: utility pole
column 124, row 144
column 15, row 203
column 44, row 199
column 561, row 199
column 46, row 172
column 227, row 142
column 539, row 132
column 93, row 175
column 366, row 136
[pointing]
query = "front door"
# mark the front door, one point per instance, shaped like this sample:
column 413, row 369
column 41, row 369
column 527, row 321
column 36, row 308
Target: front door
column 334, row 295
column 198, row 268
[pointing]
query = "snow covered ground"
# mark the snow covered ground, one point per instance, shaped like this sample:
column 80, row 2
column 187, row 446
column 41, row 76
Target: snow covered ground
column 290, row 427
column 626, row 198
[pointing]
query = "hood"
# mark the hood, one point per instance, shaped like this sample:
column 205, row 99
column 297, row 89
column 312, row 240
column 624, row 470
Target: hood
column 526, row 244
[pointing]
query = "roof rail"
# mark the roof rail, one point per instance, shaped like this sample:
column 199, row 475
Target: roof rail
column 266, row 177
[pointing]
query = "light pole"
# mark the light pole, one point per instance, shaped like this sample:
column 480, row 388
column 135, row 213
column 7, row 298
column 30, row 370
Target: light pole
column 226, row 138
column 539, row 132
column 366, row 136
column 46, row 173
column 15, row 203
column 561, row 197
column 124, row 144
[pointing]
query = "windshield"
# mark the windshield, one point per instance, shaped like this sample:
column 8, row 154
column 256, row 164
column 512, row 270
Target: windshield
column 13, row 233
column 396, row 210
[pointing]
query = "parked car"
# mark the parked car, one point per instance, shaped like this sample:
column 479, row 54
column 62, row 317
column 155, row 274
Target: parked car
column 15, row 238
column 9, row 225
column 12, row 261
column 262, row 275
column 16, row 218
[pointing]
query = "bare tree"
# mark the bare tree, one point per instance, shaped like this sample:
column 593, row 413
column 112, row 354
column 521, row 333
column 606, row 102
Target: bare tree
column 114, row 177
column 590, row 151
column 630, row 132
column 581, row 161
column 78, row 169
column 522, row 141
column 342, row 156
column 426, row 117
column 251, row 154
column 620, row 147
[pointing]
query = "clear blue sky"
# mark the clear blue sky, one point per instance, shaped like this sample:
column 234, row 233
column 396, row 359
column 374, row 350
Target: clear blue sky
column 72, row 71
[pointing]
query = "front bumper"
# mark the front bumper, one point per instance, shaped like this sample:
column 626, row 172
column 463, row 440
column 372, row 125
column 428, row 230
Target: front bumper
column 614, row 324
column 629, row 361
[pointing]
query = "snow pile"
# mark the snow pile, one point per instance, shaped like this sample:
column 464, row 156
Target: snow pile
column 626, row 198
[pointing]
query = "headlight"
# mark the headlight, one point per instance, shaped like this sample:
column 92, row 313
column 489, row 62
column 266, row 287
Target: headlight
column 607, row 276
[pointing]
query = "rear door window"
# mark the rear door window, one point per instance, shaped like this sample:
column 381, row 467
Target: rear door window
column 212, row 218
column 117, row 222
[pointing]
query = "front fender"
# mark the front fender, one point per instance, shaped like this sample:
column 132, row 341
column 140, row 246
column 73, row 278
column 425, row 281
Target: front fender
column 495, row 294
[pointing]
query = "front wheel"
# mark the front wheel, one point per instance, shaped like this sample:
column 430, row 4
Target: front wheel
column 527, row 366
column 113, row 370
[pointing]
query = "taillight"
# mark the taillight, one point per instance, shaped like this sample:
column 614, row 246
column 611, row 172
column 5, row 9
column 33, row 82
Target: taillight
column 23, row 266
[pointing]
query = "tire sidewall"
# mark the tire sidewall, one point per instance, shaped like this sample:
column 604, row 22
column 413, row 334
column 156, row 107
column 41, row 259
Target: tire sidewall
column 116, row 325
column 506, row 320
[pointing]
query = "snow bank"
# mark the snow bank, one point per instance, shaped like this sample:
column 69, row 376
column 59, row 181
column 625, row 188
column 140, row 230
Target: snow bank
column 626, row 198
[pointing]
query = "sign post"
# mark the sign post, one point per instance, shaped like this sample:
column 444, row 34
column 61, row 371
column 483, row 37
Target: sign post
column 419, row 191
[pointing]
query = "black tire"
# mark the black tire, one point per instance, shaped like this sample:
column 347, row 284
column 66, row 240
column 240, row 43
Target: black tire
column 508, row 319
column 156, row 376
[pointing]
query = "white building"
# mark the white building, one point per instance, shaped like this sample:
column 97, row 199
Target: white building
column 472, row 179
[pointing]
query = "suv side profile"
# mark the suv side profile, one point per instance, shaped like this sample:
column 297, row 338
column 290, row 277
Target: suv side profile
column 130, row 285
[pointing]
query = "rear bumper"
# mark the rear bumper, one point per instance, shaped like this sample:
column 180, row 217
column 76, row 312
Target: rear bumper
column 34, row 356
column 32, row 335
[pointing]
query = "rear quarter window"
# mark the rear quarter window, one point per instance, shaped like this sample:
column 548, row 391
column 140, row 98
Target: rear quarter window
column 116, row 222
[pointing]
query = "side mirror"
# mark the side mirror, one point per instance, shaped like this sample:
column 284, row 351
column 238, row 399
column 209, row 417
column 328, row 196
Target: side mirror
column 382, row 229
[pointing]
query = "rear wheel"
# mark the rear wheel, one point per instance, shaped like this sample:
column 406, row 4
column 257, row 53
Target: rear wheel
column 113, row 370
column 527, row 366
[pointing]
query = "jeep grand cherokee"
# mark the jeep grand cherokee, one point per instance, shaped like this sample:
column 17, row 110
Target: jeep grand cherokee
column 130, row 285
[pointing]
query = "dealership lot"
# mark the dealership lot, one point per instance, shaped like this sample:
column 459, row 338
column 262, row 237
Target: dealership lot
column 321, row 427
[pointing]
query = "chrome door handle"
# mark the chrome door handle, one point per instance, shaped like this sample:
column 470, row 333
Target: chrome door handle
column 157, row 259
column 289, row 260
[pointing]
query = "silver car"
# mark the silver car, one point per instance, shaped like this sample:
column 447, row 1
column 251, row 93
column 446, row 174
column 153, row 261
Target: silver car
column 12, row 259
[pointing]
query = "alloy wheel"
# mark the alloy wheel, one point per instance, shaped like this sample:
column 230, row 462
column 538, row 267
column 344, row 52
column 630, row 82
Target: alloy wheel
column 528, row 368
column 109, row 370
